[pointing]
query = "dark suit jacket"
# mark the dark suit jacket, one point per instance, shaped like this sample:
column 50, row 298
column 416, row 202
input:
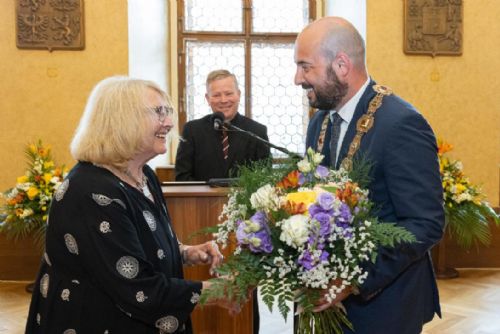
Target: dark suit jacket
column 400, row 293
column 200, row 157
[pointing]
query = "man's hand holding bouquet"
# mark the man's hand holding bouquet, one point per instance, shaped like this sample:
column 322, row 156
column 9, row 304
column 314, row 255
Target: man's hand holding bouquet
column 302, row 233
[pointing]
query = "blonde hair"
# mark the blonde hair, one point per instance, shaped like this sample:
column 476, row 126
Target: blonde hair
column 114, row 123
column 218, row 75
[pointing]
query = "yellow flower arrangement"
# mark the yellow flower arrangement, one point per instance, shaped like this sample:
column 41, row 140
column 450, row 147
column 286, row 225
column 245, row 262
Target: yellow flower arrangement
column 25, row 208
column 468, row 215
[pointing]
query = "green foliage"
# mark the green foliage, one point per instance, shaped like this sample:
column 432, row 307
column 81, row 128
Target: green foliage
column 233, row 286
column 360, row 173
column 389, row 234
column 329, row 321
column 468, row 224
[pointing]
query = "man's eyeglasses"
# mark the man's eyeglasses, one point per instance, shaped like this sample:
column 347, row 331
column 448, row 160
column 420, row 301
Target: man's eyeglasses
column 163, row 112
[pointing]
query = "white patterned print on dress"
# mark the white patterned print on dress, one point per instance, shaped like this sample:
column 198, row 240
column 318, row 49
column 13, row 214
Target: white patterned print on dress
column 71, row 244
column 69, row 331
column 104, row 227
column 44, row 285
column 140, row 296
column 150, row 219
column 168, row 324
column 75, row 281
column 65, row 295
column 195, row 298
column 61, row 190
column 38, row 318
column 161, row 254
column 46, row 258
column 127, row 266
column 104, row 200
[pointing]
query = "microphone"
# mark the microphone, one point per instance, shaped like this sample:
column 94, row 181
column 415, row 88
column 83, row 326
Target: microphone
column 218, row 119
column 219, row 123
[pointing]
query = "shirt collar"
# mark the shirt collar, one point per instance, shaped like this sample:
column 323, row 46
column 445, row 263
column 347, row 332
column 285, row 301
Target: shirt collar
column 347, row 111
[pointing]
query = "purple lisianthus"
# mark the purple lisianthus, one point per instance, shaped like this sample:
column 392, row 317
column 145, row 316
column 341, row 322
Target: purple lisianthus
column 261, row 242
column 325, row 200
column 314, row 209
column 306, row 260
column 344, row 213
column 304, row 178
column 323, row 219
column 255, row 233
column 321, row 172
column 241, row 235
column 260, row 218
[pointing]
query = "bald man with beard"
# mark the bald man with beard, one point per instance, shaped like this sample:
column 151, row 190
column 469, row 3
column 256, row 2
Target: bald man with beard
column 400, row 293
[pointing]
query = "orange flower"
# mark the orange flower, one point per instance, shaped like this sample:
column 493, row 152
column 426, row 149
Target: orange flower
column 289, row 181
column 293, row 208
column 348, row 194
column 443, row 147
column 44, row 151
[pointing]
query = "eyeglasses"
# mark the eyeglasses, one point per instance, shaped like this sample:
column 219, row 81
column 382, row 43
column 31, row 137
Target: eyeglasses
column 163, row 112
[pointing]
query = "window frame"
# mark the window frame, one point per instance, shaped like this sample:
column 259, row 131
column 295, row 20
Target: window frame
column 246, row 36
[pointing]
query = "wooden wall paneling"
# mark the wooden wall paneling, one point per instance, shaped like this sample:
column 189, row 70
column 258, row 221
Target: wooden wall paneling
column 191, row 208
column 19, row 260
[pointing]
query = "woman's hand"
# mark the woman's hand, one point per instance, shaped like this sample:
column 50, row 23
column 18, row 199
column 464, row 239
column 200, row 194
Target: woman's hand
column 206, row 253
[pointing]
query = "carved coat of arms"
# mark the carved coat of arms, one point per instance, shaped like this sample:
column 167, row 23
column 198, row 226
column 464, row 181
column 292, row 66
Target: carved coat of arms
column 433, row 27
column 49, row 24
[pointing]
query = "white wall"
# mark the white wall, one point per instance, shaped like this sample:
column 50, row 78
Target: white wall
column 352, row 10
column 148, row 47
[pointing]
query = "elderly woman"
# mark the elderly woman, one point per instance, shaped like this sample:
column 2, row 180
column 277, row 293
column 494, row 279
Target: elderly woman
column 113, row 263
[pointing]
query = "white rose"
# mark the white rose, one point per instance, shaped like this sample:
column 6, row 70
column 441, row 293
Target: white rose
column 295, row 230
column 265, row 198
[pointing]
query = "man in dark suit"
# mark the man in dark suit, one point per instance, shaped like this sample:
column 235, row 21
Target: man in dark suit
column 358, row 117
column 200, row 156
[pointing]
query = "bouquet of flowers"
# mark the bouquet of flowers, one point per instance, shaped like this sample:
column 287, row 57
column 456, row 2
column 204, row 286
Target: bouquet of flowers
column 296, row 230
column 26, row 205
column 467, row 214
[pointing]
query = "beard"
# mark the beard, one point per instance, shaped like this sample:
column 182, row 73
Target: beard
column 330, row 93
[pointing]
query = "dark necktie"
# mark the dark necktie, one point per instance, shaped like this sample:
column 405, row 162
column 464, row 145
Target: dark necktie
column 225, row 144
column 334, row 140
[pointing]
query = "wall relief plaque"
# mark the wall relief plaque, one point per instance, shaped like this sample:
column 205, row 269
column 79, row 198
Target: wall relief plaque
column 433, row 27
column 50, row 24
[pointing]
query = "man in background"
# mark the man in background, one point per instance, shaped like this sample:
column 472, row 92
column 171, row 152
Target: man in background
column 206, row 153
column 400, row 293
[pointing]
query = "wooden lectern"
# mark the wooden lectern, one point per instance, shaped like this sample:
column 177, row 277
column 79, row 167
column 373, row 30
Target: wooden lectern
column 193, row 207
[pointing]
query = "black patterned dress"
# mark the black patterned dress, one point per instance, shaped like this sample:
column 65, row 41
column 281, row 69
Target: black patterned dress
column 112, row 262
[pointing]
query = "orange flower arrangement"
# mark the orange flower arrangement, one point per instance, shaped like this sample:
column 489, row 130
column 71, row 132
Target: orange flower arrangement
column 26, row 205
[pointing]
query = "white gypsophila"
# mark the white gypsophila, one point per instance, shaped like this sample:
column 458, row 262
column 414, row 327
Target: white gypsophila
column 265, row 198
column 295, row 230
column 304, row 166
column 231, row 213
column 316, row 278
